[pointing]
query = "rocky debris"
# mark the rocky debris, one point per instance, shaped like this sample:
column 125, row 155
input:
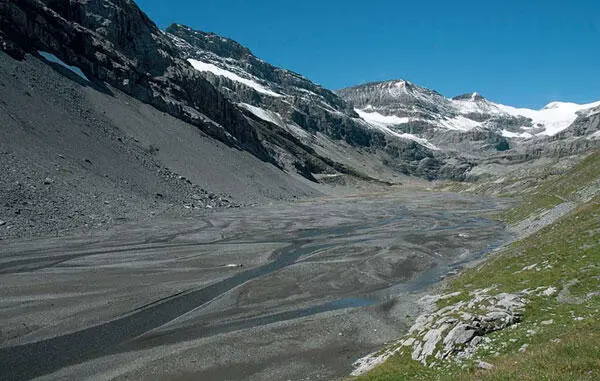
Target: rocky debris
column 523, row 348
column 454, row 332
column 565, row 296
column 535, row 223
column 77, row 198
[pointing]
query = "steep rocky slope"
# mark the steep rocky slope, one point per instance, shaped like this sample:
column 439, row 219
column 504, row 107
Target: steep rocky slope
column 113, row 42
column 74, row 157
column 316, row 117
column 116, row 43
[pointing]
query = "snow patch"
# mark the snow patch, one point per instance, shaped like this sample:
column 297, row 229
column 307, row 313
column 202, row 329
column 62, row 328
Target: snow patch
column 74, row 69
column 274, row 118
column 386, row 120
column 509, row 134
column 382, row 123
column 460, row 123
column 554, row 118
column 208, row 67
column 263, row 114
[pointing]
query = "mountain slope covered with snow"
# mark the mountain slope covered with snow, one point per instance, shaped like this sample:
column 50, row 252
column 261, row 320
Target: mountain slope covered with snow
column 404, row 107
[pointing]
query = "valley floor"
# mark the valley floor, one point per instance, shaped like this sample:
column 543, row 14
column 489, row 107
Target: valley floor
column 281, row 291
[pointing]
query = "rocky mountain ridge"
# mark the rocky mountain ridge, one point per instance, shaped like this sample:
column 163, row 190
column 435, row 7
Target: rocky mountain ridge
column 403, row 107
column 317, row 117
column 113, row 42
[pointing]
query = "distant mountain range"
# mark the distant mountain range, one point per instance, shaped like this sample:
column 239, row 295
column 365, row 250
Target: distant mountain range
column 401, row 107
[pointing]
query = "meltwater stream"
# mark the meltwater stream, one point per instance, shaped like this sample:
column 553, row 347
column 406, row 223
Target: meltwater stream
column 135, row 330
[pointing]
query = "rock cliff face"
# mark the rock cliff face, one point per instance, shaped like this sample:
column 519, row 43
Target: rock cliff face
column 315, row 116
column 247, row 80
column 116, row 43
column 214, row 83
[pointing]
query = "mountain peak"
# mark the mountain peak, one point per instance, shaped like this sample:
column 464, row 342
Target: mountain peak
column 475, row 97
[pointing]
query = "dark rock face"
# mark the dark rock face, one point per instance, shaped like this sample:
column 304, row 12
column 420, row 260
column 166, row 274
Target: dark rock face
column 310, row 106
column 113, row 41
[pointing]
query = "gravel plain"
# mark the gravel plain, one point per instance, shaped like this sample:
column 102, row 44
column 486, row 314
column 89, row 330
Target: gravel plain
column 281, row 291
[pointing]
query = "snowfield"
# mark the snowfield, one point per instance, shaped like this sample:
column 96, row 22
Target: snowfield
column 457, row 114
column 555, row 117
column 208, row 67
column 383, row 123
column 52, row 58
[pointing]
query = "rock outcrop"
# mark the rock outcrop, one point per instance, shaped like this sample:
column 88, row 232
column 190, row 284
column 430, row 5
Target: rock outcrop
column 453, row 332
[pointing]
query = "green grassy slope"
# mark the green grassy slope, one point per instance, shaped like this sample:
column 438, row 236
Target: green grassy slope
column 562, row 331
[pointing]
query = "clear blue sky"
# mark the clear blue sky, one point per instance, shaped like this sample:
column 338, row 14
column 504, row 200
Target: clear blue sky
column 521, row 53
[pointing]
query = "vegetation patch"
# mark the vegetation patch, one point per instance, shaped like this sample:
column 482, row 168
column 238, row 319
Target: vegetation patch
column 556, row 271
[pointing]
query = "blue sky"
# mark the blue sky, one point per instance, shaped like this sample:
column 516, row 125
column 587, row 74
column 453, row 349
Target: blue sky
column 521, row 53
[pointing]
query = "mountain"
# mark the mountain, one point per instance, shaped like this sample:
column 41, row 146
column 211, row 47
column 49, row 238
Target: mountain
column 189, row 117
column 220, row 87
column 403, row 107
column 315, row 116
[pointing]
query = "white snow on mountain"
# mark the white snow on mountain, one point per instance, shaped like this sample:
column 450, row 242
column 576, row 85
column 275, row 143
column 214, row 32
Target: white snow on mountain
column 385, row 120
column 555, row 117
column 456, row 114
column 460, row 123
column 208, row 67
column 52, row 58
column 263, row 114
column 475, row 104
column 509, row 134
column 552, row 119
column 276, row 119
column 382, row 123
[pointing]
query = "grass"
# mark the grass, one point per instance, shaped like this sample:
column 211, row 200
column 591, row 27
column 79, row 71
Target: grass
column 566, row 251
column 551, row 190
column 562, row 331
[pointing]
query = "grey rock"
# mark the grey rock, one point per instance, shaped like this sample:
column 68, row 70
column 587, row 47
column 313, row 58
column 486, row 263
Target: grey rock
column 484, row 365
column 459, row 335
column 523, row 348
column 476, row 341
